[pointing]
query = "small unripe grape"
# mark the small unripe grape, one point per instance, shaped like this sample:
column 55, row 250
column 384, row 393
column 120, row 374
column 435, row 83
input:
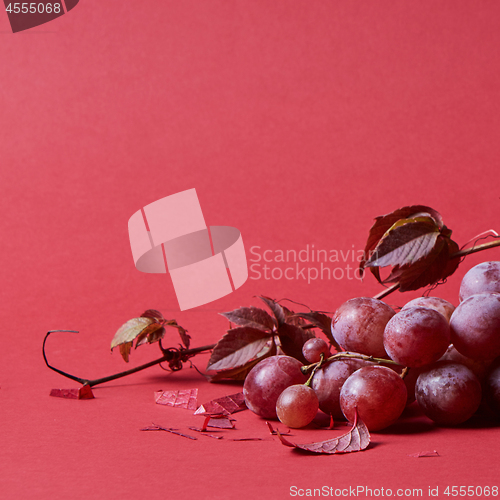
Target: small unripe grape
column 313, row 349
column 297, row 406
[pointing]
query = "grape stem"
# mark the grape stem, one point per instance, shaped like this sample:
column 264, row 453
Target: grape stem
column 172, row 356
column 343, row 355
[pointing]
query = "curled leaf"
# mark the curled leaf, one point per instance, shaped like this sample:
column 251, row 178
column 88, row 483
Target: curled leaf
column 277, row 310
column 292, row 339
column 356, row 439
column 416, row 243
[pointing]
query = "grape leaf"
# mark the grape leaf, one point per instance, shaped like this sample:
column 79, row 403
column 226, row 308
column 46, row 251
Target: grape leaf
column 178, row 399
column 356, row 439
column 153, row 314
column 252, row 317
column 223, row 406
column 237, row 347
column 416, row 243
column 277, row 310
column 292, row 338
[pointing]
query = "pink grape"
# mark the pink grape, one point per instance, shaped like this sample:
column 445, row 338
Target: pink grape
column 378, row 393
column 267, row 380
column 436, row 303
column 358, row 325
column 484, row 277
column 475, row 326
column 479, row 367
column 313, row 348
column 328, row 381
column 297, row 406
column 416, row 336
column 448, row 393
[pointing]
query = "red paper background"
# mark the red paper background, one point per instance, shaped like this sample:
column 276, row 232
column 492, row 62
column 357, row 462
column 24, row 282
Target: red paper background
column 298, row 123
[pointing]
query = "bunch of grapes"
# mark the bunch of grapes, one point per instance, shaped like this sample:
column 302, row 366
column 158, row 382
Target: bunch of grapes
column 445, row 358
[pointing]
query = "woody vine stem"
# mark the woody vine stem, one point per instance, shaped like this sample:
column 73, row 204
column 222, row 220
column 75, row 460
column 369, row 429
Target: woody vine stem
column 175, row 357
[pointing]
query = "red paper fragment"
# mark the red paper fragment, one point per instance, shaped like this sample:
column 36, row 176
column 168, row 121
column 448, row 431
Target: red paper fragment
column 276, row 432
column 422, row 454
column 247, row 439
column 84, row 392
column 186, row 399
column 221, row 422
column 357, row 439
column 223, row 406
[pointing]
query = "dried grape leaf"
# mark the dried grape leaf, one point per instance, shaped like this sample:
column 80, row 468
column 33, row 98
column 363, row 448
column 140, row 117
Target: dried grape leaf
column 186, row 399
column 238, row 347
column 152, row 333
column 252, row 317
column 130, row 330
column 223, row 406
column 356, row 439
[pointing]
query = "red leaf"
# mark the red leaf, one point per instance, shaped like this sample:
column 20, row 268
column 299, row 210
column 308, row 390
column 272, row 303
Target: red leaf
column 223, row 406
column 178, row 399
column 153, row 314
column 324, row 323
column 277, row 310
column 84, row 392
column 252, row 317
column 292, row 339
column 356, row 439
column 238, row 347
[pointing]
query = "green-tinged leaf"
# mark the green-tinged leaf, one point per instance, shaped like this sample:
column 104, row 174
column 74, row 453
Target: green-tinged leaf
column 130, row 330
column 152, row 333
column 237, row 347
column 292, row 338
column 252, row 317
column 384, row 222
column 406, row 242
column 324, row 323
column 277, row 310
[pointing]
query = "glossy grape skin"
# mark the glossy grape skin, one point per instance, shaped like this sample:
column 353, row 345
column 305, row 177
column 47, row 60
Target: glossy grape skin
column 440, row 305
column 448, row 393
column 416, row 336
column 378, row 393
column 297, row 406
column 328, row 381
column 479, row 367
column 313, row 349
column 267, row 380
column 475, row 326
column 492, row 386
column 484, row 277
column 358, row 325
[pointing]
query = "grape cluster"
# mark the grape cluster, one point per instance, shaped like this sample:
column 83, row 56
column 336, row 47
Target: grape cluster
column 441, row 356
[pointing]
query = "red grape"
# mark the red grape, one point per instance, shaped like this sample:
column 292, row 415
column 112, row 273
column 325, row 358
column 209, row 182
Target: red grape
column 328, row 381
column 479, row 367
column 484, row 277
column 436, row 303
column 492, row 386
column 297, row 406
column 378, row 393
column 313, row 349
column 358, row 325
column 475, row 326
column 416, row 336
column 267, row 380
column 448, row 393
